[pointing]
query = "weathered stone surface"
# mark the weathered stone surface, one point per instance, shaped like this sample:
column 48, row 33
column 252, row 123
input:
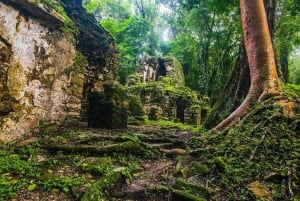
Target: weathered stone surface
column 151, row 69
column 108, row 109
column 160, row 85
column 52, row 56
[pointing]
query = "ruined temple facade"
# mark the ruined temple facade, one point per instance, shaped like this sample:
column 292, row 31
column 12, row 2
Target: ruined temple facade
column 53, row 55
column 159, row 83
column 151, row 69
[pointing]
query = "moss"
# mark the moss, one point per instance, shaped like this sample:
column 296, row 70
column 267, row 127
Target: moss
column 97, row 190
column 292, row 91
column 136, row 111
column 165, row 95
column 171, row 124
column 97, row 165
column 185, row 196
column 108, row 109
column 57, row 9
column 193, row 189
column 265, row 141
column 175, row 76
column 220, row 164
column 199, row 169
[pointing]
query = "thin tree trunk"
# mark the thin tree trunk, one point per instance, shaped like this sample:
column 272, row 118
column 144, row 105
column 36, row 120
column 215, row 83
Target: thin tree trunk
column 234, row 92
column 284, row 64
column 263, row 74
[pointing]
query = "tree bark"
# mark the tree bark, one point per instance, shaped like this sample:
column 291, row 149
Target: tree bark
column 237, row 88
column 263, row 73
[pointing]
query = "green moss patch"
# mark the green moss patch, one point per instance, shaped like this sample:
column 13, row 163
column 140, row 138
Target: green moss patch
column 264, row 147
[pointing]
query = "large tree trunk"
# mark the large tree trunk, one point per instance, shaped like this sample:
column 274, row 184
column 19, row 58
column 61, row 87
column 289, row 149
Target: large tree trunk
column 237, row 88
column 263, row 74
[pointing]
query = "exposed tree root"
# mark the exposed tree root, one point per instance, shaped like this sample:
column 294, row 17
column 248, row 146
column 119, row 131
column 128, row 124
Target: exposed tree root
column 235, row 117
column 288, row 109
column 124, row 147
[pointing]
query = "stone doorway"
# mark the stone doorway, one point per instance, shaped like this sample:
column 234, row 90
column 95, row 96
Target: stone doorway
column 180, row 107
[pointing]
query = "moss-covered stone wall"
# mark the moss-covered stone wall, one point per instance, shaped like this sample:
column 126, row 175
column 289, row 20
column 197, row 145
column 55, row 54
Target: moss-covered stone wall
column 52, row 57
column 163, row 94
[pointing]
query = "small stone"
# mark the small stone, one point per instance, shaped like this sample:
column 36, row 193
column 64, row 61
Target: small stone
column 260, row 190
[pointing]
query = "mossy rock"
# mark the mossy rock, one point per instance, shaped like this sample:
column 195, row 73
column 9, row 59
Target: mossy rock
column 153, row 114
column 178, row 195
column 136, row 120
column 136, row 111
column 97, row 190
column 220, row 164
column 97, row 165
column 200, row 169
column 194, row 190
column 108, row 109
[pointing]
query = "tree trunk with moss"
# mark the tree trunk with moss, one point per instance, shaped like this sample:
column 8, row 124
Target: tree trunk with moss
column 264, row 79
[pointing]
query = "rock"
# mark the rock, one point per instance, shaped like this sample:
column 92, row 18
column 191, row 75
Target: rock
column 173, row 151
column 275, row 177
column 260, row 191
column 191, row 191
column 27, row 142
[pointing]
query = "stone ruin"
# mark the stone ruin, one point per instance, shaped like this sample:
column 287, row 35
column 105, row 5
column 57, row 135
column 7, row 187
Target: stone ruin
column 52, row 63
column 159, row 83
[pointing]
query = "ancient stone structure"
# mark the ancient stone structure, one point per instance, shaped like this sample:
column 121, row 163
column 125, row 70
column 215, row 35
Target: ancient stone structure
column 160, row 85
column 52, row 56
column 152, row 68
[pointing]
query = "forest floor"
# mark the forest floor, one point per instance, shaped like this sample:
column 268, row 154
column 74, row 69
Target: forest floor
column 258, row 159
column 71, row 163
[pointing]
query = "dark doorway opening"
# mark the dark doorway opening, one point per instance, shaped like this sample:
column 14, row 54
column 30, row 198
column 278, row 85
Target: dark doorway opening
column 180, row 107
column 161, row 71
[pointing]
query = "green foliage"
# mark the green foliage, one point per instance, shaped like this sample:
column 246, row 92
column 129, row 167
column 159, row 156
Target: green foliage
column 199, row 169
column 292, row 91
column 17, row 164
column 112, row 175
column 14, row 168
column 171, row 124
column 9, row 187
column 220, row 164
column 99, row 166
column 199, row 45
column 294, row 70
column 64, row 183
column 131, row 166
column 286, row 33
column 134, row 32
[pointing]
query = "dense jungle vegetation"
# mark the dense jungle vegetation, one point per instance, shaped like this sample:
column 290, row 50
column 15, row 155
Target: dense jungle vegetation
column 241, row 65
